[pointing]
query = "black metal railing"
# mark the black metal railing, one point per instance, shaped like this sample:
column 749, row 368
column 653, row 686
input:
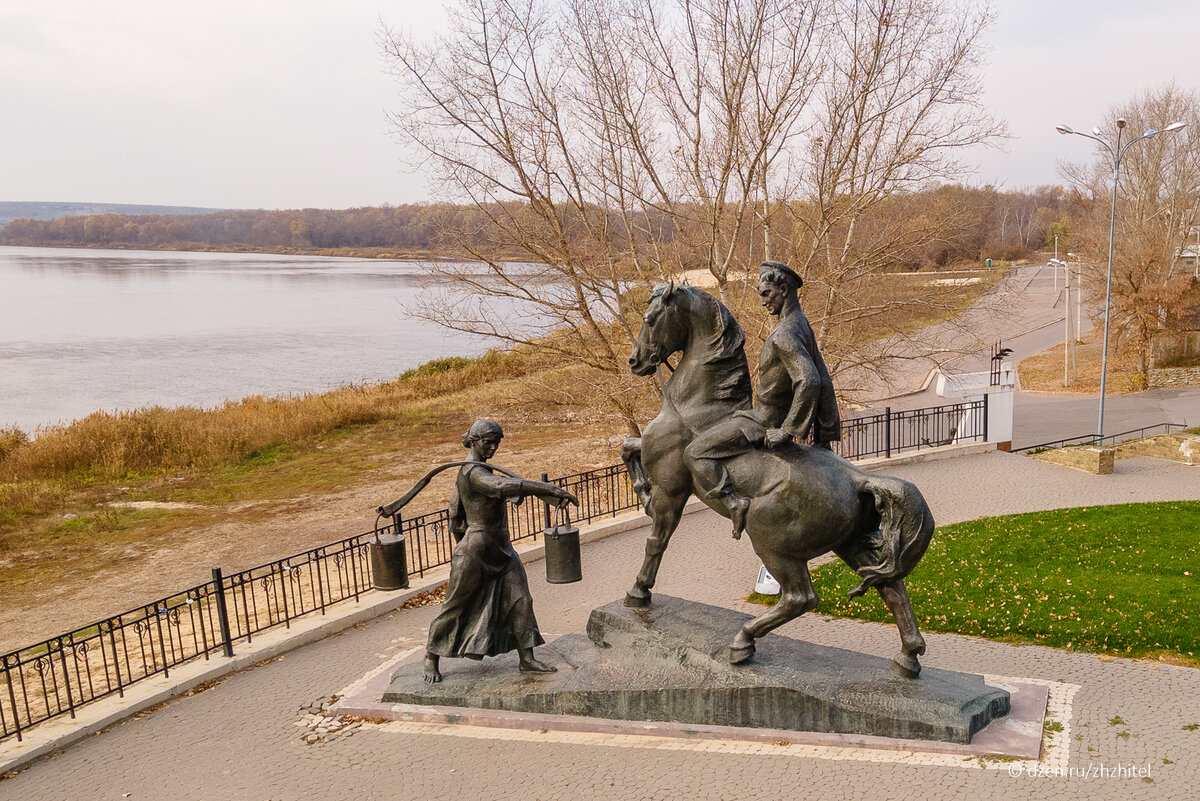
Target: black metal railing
column 895, row 432
column 56, row 676
column 1108, row 439
column 279, row 592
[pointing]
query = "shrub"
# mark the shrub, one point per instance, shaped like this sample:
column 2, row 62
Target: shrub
column 10, row 440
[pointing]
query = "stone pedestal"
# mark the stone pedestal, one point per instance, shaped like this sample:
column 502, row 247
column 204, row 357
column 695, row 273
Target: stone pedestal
column 668, row 663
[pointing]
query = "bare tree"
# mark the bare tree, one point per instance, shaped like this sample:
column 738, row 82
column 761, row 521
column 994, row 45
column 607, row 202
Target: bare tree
column 730, row 80
column 493, row 106
column 607, row 142
column 603, row 141
column 1159, row 185
column 900, row 104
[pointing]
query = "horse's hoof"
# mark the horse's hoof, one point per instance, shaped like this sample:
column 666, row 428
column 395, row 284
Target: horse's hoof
column 906, row 665
column 739, row 654
column 637, row 599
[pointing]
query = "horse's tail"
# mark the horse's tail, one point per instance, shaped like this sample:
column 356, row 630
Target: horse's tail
column 905, row 529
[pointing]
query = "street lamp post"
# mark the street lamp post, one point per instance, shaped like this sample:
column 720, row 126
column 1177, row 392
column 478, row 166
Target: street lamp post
column 1117, row 153
column 1078, row 304
column 1078, row 290
column 1057, row 262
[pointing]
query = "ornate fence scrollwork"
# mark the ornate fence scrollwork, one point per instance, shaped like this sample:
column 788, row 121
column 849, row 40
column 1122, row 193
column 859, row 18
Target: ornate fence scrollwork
column 41, row 665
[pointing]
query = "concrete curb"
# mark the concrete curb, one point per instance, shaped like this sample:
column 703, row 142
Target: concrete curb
column 927, row 455
column 55, row 735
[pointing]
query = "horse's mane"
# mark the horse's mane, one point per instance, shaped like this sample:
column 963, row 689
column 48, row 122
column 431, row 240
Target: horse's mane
column 726, row 340
column 726, row 344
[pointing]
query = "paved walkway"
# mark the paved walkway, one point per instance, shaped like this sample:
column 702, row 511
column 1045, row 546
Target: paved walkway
column 242, row 738
column 1026, row 312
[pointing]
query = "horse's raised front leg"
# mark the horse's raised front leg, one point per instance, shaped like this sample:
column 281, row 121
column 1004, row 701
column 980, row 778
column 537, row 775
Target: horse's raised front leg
column 665, row 510
column 912, row 644
column 631, row 455
column 797, row 597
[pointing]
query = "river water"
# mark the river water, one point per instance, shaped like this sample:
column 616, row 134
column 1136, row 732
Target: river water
column 85, row 330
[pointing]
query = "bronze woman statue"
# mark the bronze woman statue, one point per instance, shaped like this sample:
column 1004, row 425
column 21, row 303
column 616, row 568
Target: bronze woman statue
column 488, row 609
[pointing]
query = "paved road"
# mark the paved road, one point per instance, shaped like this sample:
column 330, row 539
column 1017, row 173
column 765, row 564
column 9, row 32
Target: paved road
column 239, row 739
column 1033, row 305
column 1043, row 418
column 1026, row 312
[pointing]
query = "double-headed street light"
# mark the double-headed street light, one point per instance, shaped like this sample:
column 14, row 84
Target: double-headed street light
column 1117, row 153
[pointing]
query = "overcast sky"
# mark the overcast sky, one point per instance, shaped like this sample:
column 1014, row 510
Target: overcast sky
column 249, row 104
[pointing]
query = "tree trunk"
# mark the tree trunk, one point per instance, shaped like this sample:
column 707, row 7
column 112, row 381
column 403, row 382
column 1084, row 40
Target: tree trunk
column 725, row 296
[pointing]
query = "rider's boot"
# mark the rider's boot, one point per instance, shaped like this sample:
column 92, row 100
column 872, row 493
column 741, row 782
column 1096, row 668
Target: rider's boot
column 712, row 473
column 738, row 506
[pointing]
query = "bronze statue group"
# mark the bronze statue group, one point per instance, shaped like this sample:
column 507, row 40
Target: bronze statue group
column 746, row 457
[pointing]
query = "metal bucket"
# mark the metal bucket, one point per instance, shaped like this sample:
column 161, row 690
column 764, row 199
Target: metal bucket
column 389, row 564
column 563, row 565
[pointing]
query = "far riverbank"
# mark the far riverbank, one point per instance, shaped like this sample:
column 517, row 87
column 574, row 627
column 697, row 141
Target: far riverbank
column 395, row 254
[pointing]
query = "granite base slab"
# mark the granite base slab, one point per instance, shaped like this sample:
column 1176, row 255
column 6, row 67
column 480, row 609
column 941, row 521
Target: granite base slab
column 1017, row 735
column 666, row 665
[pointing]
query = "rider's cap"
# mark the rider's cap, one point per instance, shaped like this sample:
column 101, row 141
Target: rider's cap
column 779, row 267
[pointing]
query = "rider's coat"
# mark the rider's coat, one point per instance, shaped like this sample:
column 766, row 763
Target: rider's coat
column 795, row 391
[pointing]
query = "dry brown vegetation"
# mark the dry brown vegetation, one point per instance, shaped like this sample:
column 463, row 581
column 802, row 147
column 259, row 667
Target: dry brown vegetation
column 1043, row 372
column 80, row 545
column 107, row 445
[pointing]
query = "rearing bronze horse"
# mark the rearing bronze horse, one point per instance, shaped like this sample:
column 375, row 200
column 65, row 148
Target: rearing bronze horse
column 805, row 501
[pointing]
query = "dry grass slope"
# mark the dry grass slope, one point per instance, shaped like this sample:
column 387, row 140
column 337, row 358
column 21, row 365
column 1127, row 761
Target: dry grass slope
column 1043, row 372
column 107, row 445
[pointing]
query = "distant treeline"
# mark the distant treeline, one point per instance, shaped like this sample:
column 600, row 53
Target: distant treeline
column 51, row 210
column 403, row 227
column 985, row 223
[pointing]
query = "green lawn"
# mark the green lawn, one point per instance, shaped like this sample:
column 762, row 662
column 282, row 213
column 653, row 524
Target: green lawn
column 1119, row 580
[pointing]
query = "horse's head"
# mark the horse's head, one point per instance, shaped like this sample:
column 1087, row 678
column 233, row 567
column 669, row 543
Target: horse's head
column 664, row 329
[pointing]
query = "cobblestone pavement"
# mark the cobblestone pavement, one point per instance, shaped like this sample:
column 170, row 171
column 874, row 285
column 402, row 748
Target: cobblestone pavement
column 246, row 737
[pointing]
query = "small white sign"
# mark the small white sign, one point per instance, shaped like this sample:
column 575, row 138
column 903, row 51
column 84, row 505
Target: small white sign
column 766, row 584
